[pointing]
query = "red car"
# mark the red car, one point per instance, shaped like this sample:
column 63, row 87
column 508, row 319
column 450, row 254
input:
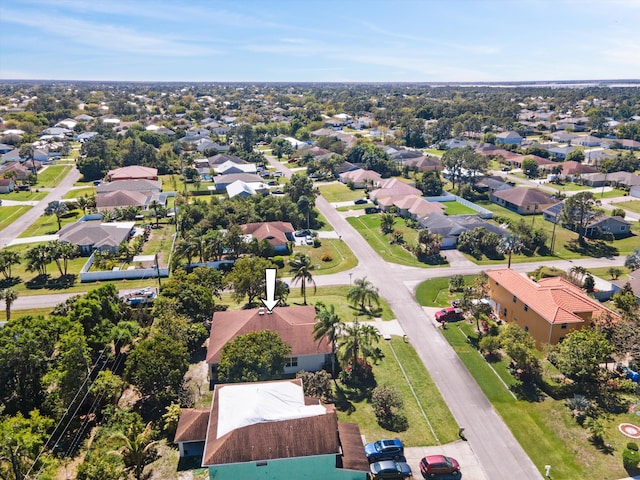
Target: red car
column 433, row 465
column 449, row 313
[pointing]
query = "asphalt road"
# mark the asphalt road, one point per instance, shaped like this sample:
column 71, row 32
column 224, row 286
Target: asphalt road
column 16, row 228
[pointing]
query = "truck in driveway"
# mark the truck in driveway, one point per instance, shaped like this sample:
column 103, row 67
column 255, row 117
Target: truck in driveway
column 449, row 314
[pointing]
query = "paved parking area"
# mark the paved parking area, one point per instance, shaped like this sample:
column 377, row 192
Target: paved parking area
column 470, row 468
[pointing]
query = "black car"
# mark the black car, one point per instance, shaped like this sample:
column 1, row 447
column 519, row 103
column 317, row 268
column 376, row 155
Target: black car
column 361, row 201
column 390, row 469
column 371, row 210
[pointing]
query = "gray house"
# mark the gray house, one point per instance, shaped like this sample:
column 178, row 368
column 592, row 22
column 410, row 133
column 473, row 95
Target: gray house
column 450, row 228
column 90, row 236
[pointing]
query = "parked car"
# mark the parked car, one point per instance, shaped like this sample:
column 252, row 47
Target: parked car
column 277, row 191
column 390, row 469
column 448, row 314
column 302, row 233
column 309, row 240
column 384, row 450
column 433, row 465
column 371, row 210
column 361, row 201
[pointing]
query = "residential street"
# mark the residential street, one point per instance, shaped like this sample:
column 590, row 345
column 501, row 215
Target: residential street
column 16, row 228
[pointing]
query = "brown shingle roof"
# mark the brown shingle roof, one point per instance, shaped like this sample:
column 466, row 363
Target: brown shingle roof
column 394, row 188
column 121, row 198
column 273, row 232
column 300, row 437
column 293, row 324
column 353, row 457
column 192, row 426
column 133, row 172
column 523, row 196
column 554, row 299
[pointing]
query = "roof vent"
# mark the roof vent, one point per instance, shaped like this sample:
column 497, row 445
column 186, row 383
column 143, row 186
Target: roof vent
column 261, row 311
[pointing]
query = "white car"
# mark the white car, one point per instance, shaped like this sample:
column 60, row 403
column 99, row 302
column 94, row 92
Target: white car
column 309, row 240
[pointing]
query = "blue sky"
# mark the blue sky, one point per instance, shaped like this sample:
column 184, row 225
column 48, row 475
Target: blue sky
column 307, row 40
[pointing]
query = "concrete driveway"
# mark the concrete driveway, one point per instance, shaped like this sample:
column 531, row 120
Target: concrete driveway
column 470, row 467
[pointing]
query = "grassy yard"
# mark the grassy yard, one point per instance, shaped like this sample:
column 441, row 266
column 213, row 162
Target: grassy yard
column 435, row 292
column 342, row 256
column 339, row 192
column 353, row 207
column 456, row 208
column 52, row 176
column 387, row 372
column 8, row 215
column 80, row 192
column 545, row 429
column 34, row 312
column 633, row 205
column 433, row 151
column 33, row 195
column 568, row 187
column 48, row 224
column 337, row 296
column 160, row 242
column 369, row 227
column 602, row 272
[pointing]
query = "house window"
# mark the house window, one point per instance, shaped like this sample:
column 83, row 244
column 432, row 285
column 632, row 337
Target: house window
column 563, row 326
column 526, row 329
column 505, row 313
column 526, row 307
column 623, row 228
column 515, row 299
column 261, row 464
column 292, row 362
column 515, row 319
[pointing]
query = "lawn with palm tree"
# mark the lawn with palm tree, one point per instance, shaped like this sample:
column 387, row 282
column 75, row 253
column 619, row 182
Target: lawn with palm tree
column 300, row 267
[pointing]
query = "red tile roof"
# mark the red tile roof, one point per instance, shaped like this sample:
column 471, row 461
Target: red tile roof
column 133, row 172
column 555, row 299
column 293, row 324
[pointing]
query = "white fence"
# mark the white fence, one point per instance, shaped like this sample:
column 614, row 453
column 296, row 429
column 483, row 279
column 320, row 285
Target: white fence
column 482, row 212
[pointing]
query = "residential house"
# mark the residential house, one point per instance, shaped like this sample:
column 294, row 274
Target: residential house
column 83, row 117
column 293, row 324
column 229, row 167
column 562, row 136
column 221, row 182
column 548, row 309
column 423, row 163
column 622, row 179
column 266, row 430
column 96, row 235
column 451, row 227
column 7, row 185
column 133, row 172
column 540, row 161
column 21, row 170
column 573, row 169
column 525, row 201
column 630, row 144
column 222, row 158
column 361, row 178
column 85, row 136
column 587, row 141
column 393, row 187
column 4, row 148
column 509, row 138
column 455, row 143
column 560, row 152
column 122, row 198
column 39, row 155
column 492, row 184
column 604, row 224
column 278, row 234
column 191, row 432
column 416, row 207
column 633, row 281
column 147, row 186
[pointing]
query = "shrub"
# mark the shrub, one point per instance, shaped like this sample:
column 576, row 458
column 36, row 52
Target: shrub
column 279, row 261
column 326, row 257
column 630, row 459
column 456, row 282
column 387, row 403
column 490, row 344
column 632, row 446
column 316, row 242
column 317, row 384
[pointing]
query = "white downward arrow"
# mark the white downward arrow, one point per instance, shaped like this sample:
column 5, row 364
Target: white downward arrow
column 270, row 285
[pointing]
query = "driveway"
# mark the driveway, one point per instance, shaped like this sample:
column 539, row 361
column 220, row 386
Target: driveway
column 469, row 464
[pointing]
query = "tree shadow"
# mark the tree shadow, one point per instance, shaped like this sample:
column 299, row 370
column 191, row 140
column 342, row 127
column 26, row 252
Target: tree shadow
column 493, row 357
column 528, row 391
column 342, row 402
column 369, row 312
column 46, row 282
column 592, row 248
column 10, row 282
column 433, row 260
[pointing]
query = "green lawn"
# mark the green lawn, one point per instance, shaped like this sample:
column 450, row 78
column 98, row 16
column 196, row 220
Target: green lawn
column 456, row 208
column 48, row 224
column 369, row 227
column 33, row 195
column 52, row 176
column 435, row 292
column 342, row 256
column 388, row 372
column 569, row 187
column 433, row 151
column 633, row 205
column 602, row 272
column 337, row 296
column 80, row 192
column 339, row 192
column 34, row 312
column 353, row 207
column 545, row 429
column 8, row 215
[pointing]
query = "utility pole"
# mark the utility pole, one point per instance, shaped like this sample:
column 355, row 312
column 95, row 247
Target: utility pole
column 158, row 272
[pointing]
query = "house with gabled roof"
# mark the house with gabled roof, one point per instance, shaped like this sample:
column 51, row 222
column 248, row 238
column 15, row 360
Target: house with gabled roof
column 548, row 309
column 277, row 234
column 294, row 324
column 95, row 235
column 122, row 198
column 191, row 432
column 393, row 187
column 525, row 201
column 509, row 138
column 361, row 178
column 154, row 186
column 451, row 227
column 271, row 430
column 133, row 172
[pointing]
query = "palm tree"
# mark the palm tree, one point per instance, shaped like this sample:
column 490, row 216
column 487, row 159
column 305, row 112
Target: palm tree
column 155, row 204
column 58, row 209
column 27, row 152
column 61, row 253
column 301, row 268
column 9, row 295
column 86, row 202
column 508, row 245
column 577, row 274
column 38, row 258
column 137, row 448
column 186, row 248
column 328, row 325
column 363, row 293
column 358, row 341
column 214, row 244
column 386, row 222
column 8, row 258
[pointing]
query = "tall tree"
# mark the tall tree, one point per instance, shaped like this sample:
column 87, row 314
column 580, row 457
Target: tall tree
column 38, row 258
column 363, row 293
column 8, row 295
column 27, row 152
column 454, row 161
column 247, row 278
column 61, row 253
column 328, row 326
column 256, row 356
column 8, row 258
column 137, row 448
column 578, row 211
column 301, row 267
column 386, row 222
column 581, row 353
column 300, row 185
column 58, row 209
column 359, row 341
column 509, row 245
